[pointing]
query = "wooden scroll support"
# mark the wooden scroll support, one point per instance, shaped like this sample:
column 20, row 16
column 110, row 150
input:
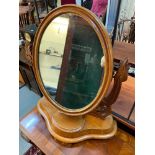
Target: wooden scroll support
column 104, row 109
column 28, row 52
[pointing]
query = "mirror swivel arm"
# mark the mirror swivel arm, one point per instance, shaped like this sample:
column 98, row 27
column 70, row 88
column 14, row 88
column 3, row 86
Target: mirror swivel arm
column 104, row 109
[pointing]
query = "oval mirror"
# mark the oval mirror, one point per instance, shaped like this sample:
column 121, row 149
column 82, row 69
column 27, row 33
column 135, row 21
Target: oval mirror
column 69, row 46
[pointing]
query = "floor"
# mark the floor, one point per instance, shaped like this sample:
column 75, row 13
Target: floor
column 27, row 101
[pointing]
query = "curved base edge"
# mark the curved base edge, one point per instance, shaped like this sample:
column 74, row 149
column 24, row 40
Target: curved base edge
column 93, row 128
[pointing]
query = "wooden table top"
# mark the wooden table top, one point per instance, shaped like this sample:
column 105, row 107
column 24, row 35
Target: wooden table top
column 34, row 128
column 126, row 98
column 122, row 50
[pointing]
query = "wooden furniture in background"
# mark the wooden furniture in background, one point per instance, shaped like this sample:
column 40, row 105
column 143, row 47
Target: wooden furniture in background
column 23, row 19
column 26, row 16
column 27, row 73
column 123, row 50
column 33, row 127
column 42, row 7
column 125, row 103
column 123, row 109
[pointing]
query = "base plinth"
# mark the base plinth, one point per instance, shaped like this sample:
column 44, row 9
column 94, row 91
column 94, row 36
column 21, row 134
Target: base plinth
column 73, row 129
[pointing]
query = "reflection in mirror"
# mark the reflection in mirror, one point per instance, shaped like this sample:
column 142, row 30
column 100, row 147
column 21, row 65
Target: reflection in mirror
column 70, row 56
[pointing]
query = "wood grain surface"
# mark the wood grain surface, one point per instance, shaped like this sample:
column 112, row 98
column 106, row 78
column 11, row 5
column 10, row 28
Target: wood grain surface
column 70, row 129
column 126, row 98
column 34, row 128
column 122, row 50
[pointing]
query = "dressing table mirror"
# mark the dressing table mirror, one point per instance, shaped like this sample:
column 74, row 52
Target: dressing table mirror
column 73, row 67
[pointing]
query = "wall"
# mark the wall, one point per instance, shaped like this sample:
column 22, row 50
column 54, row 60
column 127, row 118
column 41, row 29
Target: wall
column 55, row 35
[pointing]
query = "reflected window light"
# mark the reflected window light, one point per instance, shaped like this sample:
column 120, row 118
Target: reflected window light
column 60, row 24
column 32, row 121
column 61, row 20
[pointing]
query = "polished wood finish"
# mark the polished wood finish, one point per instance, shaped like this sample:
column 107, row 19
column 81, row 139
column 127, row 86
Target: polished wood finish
column 123, row 105
column 122, row 50
column 102, row 34
column 122, row 109
column 126, row 98
column 34, row 128
column 74, row 129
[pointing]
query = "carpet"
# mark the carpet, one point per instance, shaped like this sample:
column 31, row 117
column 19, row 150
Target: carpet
column 34, row 150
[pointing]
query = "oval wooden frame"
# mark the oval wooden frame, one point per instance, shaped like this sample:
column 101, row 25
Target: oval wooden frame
column 98, row 27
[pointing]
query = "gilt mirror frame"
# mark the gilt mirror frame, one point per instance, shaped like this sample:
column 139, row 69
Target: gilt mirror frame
column 105, row 41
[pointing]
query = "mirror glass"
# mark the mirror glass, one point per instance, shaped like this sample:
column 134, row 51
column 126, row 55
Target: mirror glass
column 70, row 56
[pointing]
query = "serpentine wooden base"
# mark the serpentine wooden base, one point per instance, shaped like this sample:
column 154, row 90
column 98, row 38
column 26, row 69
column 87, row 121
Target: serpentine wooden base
column 73, row 129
